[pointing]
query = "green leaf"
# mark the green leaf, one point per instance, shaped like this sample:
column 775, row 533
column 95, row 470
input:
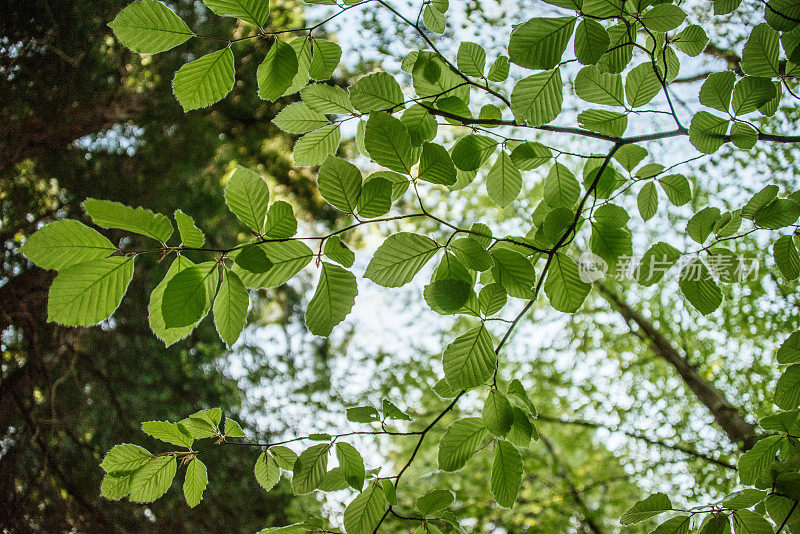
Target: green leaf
column 786, row 257
column 707, row 132
column 325, row 59
column 760, row 54
column 302, row 50
column 194, row 483
column 168, row 432
column 421, row 125
column 759, row 200
column 521, row 429
column 364, row 513
column 591, row 41
column 253, row 259
column 204, row 81
column 447, row 296
column 717, row 90
column 400, row 258
column 598, row 87
column 86, row 293
column 276, row 73
column 230, row 308
column 64, row 243
column 435, row 165
column 434, row 501
column 149, row 27
column 702, row 223
column 434, row 19
column 363, row 414
column 310, row 468
column 153, row 479
column 125, row 459
column 338, row 251
column 283, row 456
column 743, row 135
column 563, row 285
column 527, row 156
column 655, row 263
column 751, row 93
column 471, row 151
column 699, row 288
column 472, row 254
column 280, row 220
column 390, row 411
column 203, row 424
column 108, row 214
column 460, row 442
column 492, row 298
column 787, row 389
column 677, row 188
column 779, row 213
column 339, row 183
column 691, row 40
column 471, row 59
column 352, row 465
column 746, row 498
column 469, row 360
column 315, row 146
column 247, row 196
column 642, row 85
column 517, row 390
column 539, row 43
column 188, row 295
column 326, row 99
column 758, row 459
column 503, row 181
column 497, row 413
column 514, row 272
column 789, row 351
column 288, row 258
column 171, row 335
column 620, row 51
column 506, row 473
column 378, row 91
column 647, row 201
column 498, row 72
column 267, row 471
column 191, row 235
column 298, row 118
column 674, row 525
column 376, row 198
column 747, row 522
column 723, row 7
column 537, row 99
column 252, row 11
column 663, row 17
column 233, row 429
column 645, row 509
column 388, row 142
column 334, row 298
column 115, row 487
column 629, row 156
column 611, row 215
column 603, row 121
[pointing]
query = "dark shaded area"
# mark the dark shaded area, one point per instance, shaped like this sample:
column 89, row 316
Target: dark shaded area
column 81, row 117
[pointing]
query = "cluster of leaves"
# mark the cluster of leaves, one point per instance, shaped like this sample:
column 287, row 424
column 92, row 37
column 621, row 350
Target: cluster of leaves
column 477, row 272
column 770, row 469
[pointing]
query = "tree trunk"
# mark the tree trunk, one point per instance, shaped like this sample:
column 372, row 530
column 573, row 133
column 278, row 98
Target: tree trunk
column 737, row 428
